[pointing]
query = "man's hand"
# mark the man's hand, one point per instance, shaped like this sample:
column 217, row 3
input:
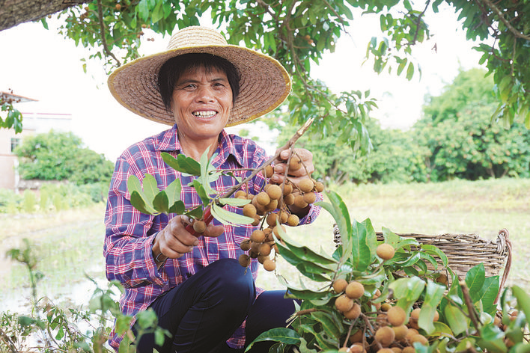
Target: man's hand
column 174, row 240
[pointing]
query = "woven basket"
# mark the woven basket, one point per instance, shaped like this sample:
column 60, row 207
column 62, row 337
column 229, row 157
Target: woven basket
column 465, row 251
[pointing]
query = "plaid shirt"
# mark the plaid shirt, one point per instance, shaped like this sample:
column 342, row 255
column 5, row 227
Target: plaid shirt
column 130, row 234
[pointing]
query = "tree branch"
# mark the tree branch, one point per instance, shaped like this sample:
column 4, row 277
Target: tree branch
column 103, row 40
column 418, row 22
column 505, row 21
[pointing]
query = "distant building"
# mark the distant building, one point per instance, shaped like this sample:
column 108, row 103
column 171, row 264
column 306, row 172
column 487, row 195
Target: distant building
column 32, row 123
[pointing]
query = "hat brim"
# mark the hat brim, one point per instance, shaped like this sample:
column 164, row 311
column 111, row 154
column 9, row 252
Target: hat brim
column 264, row 83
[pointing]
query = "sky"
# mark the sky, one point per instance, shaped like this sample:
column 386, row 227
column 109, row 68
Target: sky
column 41, row 64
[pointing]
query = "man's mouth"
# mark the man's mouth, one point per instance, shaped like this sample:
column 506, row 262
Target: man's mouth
column 205, row 114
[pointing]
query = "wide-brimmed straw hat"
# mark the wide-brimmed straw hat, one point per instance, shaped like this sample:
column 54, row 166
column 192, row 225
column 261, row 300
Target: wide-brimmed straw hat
column 264, row 83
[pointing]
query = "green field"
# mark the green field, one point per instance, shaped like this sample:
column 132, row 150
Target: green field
column 69, row 244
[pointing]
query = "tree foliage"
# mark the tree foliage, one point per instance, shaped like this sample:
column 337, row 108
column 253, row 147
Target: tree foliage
column 60, row 156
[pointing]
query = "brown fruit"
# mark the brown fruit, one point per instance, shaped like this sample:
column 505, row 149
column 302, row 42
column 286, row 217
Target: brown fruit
column 385, row 350
column 263, row 198
column 294, row 164
column 287, row 189
column 264, row 249
column 419, row 338
column 385, row 251
column 269, row 171
column 288, row 199
column 343, row 303
column 497, row 321
column 442, row 279
column 357, row 348
column 396, row 316
column 355, row 290
column 249, row 210
column 319, row 186
column 245, row 244
column 274, row 192
column 396, row 349
column 382, row 319
column 400, row 332
column 199, row 226
column 293, row 220
column 257, row 236
column 268, row 234
column 262, row 258
column 385, row 307
column 340, row 285
column 436, row 316
column 118, row 7
column 415, row 314
column 377, row 294
column 344, row 349
column 353, row 313
column 271, row 219
column 299, row 201
column 276, row 231
column 310, row 197
column 385, row 336
column 306, row 185
column 272, row 205
column 357, row 336
column 284, row 216
column 257, row 219
column 254, row 247
column 408, row 350
column 240, row 194
column 411, row 332
column 269, row 265
column 244, row 260
column 253, row 254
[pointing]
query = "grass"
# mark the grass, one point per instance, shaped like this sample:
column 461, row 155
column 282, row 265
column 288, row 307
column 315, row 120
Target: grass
column 70, row 242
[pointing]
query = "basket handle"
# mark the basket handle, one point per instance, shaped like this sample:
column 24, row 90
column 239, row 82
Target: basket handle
column 504, row 244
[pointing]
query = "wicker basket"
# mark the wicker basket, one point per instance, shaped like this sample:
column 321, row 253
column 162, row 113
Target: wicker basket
column 465, row 251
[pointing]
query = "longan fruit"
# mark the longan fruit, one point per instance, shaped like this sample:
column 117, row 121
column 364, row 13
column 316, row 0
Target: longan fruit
column 268, row 234
column 244, row 260
column 343, row 303
column 436, row 316
column 385, row 350
column 240, row 194
column 269, row 171
column 310, row 197
column 249, row 210
column 306, row 185
column 293, row 220
column 385, row 336
column 252, row 254
column 254, row 247
column 258, row 236
column 354, row 290
column 377, row 294
column 319, row 186
column 295, row 163
column 415, row 314
column 497, row 321
column 299, row 201
column 284, row 216
column 269, row 265
column 276, row 231
column 396, row 349
column 245, row 244
column 340, row 285
column 353, row 313
column 385, row 307
column 357, row 348
column 288, row 199
column 411, row 332
column 382, row 319
column 408, row 350
column 400, row 332
column 344, row 349
column 419, row 338
column 287, row 189
column 264, row 249
column 257, row 219
column 274, row 192
column 271, row 219
column 199, row 226
column 396, row 316
column 357, row 336
column 442, row 279
column 385, row 251
column 263, row 198
column 262, row 258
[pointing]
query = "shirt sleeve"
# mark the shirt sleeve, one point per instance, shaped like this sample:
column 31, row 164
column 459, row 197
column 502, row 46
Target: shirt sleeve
column 129, row 235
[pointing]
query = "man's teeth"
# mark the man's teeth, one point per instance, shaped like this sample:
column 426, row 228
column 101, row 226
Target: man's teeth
column 204, row 114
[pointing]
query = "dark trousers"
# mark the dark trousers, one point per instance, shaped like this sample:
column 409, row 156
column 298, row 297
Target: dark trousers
column 206, row 309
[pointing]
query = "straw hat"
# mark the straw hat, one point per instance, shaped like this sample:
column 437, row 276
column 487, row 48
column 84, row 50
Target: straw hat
column 264, row 83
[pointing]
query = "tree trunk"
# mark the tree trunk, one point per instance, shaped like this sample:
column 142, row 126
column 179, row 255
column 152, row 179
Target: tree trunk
column 14, row 12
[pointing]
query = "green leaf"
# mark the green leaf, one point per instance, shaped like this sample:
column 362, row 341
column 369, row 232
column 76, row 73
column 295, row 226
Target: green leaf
column 133, row 184
column 492, row 339
column 488, row 293
column 391, row 237
column 196, row 213
column 200, row 191
column 158, row 13
column 204, row 177
column 330, row 326
column 475, row 278
column 60, row 333
column 360, row 250
column 407, row 291
column 433, row 297
column 284, row 335
column 433, row 250
column 429, row 258
column 229, row 218
column 441, row 329
column 410, row 71
column 173, row 191
column 139, row 203
column 161, row 202
column 312, row 271
column 308, row 294
column 456, row 319
column 150, row 188
column 44, row 23
column 182, row 163
column 233, row 201
column 523, row 300
column 178, row 207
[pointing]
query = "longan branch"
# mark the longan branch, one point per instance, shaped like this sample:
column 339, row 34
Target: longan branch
column 507, row 23
column 469, row 304
column 288, row 145
column 102, row 28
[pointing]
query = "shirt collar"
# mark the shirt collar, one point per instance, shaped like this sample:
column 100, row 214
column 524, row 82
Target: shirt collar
column 168, row 141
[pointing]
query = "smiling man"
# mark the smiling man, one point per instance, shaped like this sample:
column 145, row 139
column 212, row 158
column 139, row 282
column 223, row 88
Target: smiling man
column 195, row 285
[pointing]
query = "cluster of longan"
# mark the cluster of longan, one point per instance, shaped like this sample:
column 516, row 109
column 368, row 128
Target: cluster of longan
column 270, row 205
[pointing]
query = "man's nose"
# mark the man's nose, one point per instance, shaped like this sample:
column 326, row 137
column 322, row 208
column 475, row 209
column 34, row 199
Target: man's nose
column 205, row 94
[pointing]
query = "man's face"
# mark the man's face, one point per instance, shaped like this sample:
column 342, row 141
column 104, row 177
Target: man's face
column 202, row 101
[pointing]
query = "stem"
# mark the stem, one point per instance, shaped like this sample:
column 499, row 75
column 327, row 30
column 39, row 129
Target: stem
column 8, row 341
column 469, row 304
column 349, row 332
column 418, row 23
column 505, row 21
column 288, row 145
column 103, row 39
